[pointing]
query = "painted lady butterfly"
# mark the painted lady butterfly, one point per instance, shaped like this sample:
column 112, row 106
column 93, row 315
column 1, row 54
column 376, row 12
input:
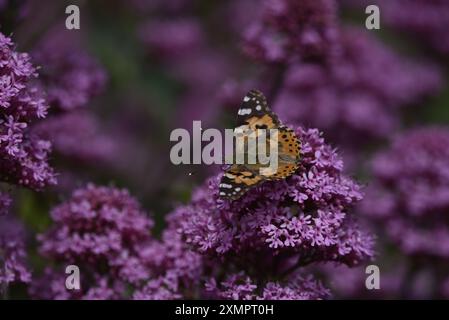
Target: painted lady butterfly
column 254, row 114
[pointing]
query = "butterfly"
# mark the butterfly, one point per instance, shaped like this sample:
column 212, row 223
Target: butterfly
column 254, row 113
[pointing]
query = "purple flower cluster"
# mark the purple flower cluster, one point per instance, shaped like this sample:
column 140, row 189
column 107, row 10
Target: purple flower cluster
column 408, row 200
column 341, row 97
column 12, row 252
column 182, row 46
column 104, row 232
column 69, row 74
column 280, row 225
column 178, row 42
column 289, row 29
column 421, row 19
column 23, row 155
column 77, row 136
column 101, row 230
column 176, row 271
column 294, row 238
column 72, row 77
column 241, row 287
column 51, row 285
column 410, row 192
column 350, row 283
column 332, row 80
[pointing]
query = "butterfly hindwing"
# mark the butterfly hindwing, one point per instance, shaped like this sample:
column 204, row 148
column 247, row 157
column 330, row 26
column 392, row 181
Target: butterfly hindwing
column 289, row 144
column 289, row 153
column 237, row 180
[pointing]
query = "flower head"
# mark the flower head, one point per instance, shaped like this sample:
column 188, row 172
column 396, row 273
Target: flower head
column 102, row 230
column 241, row 287
column 289, row 29
column 306, row 214
column 175, row 269
column 12, row 252
column 23, row 154
column 70, row 75
column 421, row 19
column 52, row 285
column 77, row 136
column 342, row 97
column 277, row 227
column 410, row 193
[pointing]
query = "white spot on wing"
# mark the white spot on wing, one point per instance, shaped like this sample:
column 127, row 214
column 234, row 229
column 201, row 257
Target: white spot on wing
column 243, row 112
column 258, row 108
column 246, row 99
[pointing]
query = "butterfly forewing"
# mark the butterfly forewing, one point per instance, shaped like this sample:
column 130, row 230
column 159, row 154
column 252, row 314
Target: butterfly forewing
column 255, row 112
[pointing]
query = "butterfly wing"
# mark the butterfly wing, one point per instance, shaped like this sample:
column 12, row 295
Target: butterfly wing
column 289, row 153
column 236, row 181
column 254, row 113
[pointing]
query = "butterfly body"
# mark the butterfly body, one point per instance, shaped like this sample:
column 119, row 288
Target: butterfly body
column 255, row 114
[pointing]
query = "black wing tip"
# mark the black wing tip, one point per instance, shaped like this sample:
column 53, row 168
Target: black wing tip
column 232, row 198
column 231, row 194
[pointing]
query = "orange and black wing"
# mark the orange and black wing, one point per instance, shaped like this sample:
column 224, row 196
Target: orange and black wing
column 255, row 113
column 236, row 181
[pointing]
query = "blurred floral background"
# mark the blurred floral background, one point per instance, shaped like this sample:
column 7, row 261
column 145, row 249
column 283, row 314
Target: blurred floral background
column 86, row 178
